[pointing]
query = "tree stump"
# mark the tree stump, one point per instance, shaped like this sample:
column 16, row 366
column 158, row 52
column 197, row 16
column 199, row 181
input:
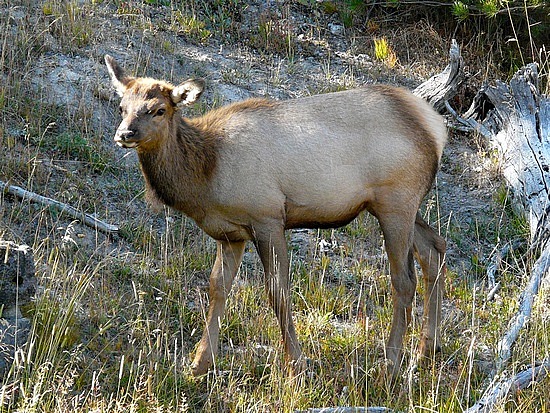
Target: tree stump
column 17, row 287
column 515, row 119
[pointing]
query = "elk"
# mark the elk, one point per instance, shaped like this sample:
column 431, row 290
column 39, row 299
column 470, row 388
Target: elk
column 253, row 169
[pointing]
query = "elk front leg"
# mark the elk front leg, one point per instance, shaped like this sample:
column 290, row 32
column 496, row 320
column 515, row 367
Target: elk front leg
column 429, row 250
column 228, row 259
column 272, row 248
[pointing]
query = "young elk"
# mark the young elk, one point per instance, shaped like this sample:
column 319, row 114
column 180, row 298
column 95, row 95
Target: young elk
column 251, row 170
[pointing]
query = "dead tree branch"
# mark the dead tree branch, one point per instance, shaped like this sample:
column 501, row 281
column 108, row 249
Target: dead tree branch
column 60, row 206
column 444, row 86
column 499, row 389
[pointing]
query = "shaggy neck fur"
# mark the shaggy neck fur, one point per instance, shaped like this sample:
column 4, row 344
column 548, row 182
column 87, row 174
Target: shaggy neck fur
column 183, row 164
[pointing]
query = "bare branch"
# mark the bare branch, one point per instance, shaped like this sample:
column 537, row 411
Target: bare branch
column 60, row 206
column 523, row 315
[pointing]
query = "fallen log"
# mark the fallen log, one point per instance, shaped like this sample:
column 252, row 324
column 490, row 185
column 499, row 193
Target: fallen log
column 516, row 121
column 60, row 206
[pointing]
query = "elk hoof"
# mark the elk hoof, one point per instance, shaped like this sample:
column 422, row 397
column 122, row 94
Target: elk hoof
column 199, row 368
column 428, row 348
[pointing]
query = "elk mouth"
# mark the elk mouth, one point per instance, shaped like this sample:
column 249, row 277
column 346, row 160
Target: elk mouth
column 126, row 144
column 125, row 140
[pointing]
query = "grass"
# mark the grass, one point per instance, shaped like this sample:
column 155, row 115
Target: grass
column 116, row 319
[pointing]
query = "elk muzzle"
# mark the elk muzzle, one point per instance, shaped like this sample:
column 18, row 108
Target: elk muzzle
column 126, row 138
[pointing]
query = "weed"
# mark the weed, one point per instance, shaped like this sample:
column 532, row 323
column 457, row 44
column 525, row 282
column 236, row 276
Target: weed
column 384, row 52
column 67, row 22
column 274, row 35
column 200, row 20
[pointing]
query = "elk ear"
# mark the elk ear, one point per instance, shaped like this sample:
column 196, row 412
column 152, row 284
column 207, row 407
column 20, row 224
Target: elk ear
column 188, row 92
column 118, row 78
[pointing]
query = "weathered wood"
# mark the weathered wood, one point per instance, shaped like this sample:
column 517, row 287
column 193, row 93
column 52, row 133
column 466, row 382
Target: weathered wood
column 516, row 121
column 444, row 86
column 500, row 388
column 520, row 320
column 73, row 212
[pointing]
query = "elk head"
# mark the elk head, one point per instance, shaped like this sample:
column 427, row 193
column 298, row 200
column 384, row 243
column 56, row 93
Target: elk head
column 148, row 107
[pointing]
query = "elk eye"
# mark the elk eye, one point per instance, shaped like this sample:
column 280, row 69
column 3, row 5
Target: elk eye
column 160, row 112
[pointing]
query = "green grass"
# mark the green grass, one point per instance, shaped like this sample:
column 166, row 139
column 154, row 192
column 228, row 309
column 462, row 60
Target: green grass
column 116, row 318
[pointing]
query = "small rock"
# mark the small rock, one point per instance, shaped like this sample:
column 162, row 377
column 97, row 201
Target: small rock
column 17, row 287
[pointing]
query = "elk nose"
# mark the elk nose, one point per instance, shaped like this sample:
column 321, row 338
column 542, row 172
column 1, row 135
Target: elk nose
column 123, row 135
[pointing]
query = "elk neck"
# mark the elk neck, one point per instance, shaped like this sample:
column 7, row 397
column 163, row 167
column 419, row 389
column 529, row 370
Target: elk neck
column 178, row 172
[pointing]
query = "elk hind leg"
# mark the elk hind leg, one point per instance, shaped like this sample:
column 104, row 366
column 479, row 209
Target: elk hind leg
column 398, row 232
column 429, row 250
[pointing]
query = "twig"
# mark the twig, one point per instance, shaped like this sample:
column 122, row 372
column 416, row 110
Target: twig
column 493, row 291
column 499, row 389
column 73, row 212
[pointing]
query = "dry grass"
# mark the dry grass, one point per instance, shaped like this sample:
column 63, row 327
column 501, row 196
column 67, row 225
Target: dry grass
column 116, row 319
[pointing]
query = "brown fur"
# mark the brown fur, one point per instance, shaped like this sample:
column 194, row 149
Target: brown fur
column 252, row 169
column 213, row 122
column 411, row 122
